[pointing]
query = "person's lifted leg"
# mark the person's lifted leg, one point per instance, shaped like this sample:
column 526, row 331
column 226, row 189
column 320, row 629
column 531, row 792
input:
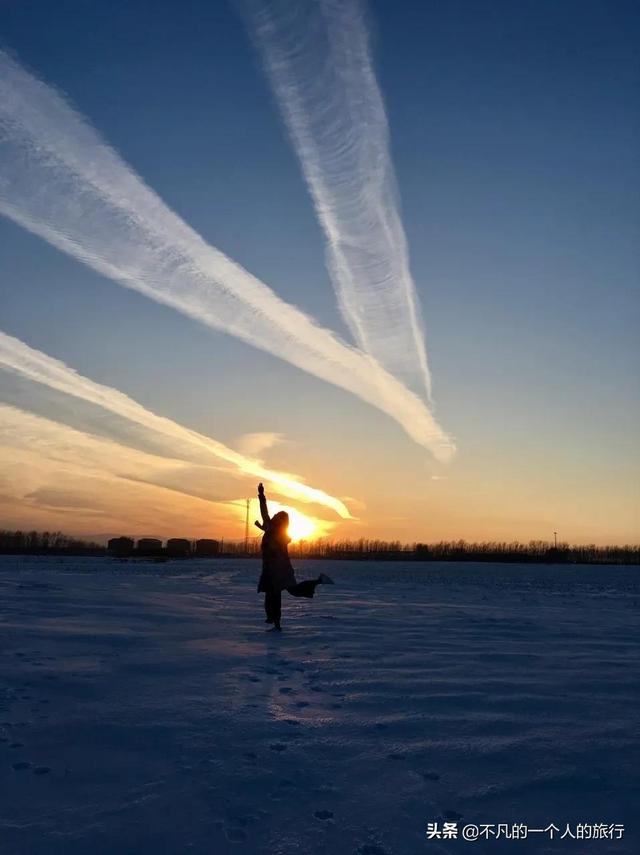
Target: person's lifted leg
column 308, row 588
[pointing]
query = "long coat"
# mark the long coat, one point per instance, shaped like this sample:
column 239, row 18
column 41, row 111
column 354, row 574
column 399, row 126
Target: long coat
column 277, row 572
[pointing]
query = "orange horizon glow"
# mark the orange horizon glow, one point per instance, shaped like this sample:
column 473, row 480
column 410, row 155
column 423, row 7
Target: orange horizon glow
column 301, row 526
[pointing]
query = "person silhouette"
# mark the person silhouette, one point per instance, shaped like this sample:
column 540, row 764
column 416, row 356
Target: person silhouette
column 277, row 573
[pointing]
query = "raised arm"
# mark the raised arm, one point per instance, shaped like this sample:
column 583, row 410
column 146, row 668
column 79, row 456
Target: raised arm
column 266, row 519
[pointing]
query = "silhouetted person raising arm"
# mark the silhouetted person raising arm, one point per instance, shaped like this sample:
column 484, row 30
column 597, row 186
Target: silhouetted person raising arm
column 277, row 573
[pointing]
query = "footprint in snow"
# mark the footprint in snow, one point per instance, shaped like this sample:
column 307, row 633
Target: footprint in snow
column 371, row 849
column 23, row 764
column 278, row 746
column 302, row 704
column 323, row 814
column 285, row 690
column 431, row 776
column 41, row 770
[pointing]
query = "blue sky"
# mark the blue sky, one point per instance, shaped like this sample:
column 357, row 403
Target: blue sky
column 514, row 133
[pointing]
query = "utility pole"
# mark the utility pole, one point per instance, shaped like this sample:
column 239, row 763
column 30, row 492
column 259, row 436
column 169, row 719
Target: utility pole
column 246, row 528
column 555, row 540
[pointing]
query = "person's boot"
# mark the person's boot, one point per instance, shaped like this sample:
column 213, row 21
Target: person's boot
column 323, row 579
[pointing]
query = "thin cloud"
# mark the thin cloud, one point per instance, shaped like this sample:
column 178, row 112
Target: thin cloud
column 57, row 476
column 18, row 357
column 255, row 444
column 61, row 181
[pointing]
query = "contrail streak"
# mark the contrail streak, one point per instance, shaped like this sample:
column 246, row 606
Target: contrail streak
column 61, row 181
column 317, row 57
column 19, row 358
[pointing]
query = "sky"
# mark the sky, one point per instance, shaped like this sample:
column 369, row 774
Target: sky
column 514, row 132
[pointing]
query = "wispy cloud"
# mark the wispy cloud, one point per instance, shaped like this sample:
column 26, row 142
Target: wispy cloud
column 255, row 444
column 318, row 59
column 54, row 476
column 18, row 357
column 61, row 181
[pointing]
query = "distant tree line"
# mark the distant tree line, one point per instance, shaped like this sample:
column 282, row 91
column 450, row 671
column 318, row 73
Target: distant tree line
column 364, row 549
column 537, row 551
column 239, row 548
column 45, row 543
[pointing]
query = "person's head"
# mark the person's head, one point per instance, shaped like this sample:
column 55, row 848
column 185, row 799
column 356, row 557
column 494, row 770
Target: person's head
column 280, row 523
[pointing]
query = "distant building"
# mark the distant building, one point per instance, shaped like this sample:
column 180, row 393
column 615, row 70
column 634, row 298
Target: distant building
column 149, row 546
column 179, row 547
column 120, row 546
column 205, row 548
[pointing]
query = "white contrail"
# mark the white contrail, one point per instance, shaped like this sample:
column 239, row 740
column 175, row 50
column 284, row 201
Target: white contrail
column 61, row 181
column 19, row 358
column 317, row 57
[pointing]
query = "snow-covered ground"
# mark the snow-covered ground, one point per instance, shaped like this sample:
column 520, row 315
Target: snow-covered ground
column 144, row 709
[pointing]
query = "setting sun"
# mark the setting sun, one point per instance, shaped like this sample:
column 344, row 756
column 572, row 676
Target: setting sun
column 300, row 526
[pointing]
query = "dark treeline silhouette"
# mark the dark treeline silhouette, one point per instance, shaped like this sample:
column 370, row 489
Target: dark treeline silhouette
column 239, row 548
column 364, row 548
column 45, row 543
column 536, row 551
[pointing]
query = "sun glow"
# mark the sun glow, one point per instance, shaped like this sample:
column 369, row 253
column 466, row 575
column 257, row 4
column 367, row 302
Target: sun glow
column 300, row 526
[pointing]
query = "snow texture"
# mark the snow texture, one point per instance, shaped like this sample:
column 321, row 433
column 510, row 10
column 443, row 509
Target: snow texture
column 144, row 709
